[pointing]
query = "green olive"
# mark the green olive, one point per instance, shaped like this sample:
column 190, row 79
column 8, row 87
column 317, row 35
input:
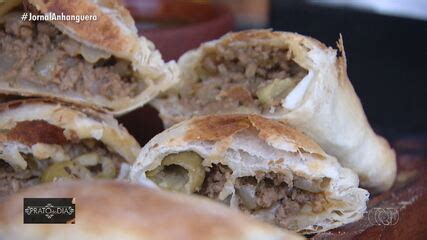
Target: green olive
column 180, row 172
column 173, row 178
column 268, row 95
column 65, row 170
column 58, row 170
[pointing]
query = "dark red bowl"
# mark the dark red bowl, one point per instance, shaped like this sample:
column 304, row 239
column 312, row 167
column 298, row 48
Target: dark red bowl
column 176, row 26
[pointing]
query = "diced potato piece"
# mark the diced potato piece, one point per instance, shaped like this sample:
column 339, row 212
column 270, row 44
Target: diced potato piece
column 269, row 95
column 247, row 196
column 314, row 186
column 45, row 66
column 13, row 157
column 182, row 172
column 45, row 151
column 93, row 55
column 88, row 159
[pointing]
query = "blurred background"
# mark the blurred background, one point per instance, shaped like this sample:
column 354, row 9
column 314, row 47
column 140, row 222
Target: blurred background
column 385, row 43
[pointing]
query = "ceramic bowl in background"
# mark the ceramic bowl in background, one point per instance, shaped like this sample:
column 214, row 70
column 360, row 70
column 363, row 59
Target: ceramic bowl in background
column 176, row 26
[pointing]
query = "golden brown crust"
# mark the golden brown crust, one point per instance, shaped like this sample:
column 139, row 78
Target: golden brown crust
column 78, row 122
column 342, row 63
column 214, row 128
column 219, row 127
column 268, row 35
column 16, row 96
column 269, row 128
column 37, row 131
column 132, row 212
column 93, row 111
column 104, row 33
column 251, row 34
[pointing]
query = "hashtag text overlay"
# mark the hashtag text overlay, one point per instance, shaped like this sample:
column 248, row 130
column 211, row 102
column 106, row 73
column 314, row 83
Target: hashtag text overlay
column 57, row 17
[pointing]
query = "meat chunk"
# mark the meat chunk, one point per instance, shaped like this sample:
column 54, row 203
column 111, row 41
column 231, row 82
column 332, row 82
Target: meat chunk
column 215, row 180
column 267, row 193
column 264, row 191
column 11, row 182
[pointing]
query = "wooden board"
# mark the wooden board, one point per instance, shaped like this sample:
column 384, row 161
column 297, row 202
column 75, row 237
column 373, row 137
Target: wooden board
column 400, row 213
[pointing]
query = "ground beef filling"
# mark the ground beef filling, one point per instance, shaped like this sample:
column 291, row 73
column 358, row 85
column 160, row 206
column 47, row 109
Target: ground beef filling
column 88, row 159
column 215, row 180
column 270, row 191
column 265, row 191
column 240, row 77
column 11, row 181
column 36, row 54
